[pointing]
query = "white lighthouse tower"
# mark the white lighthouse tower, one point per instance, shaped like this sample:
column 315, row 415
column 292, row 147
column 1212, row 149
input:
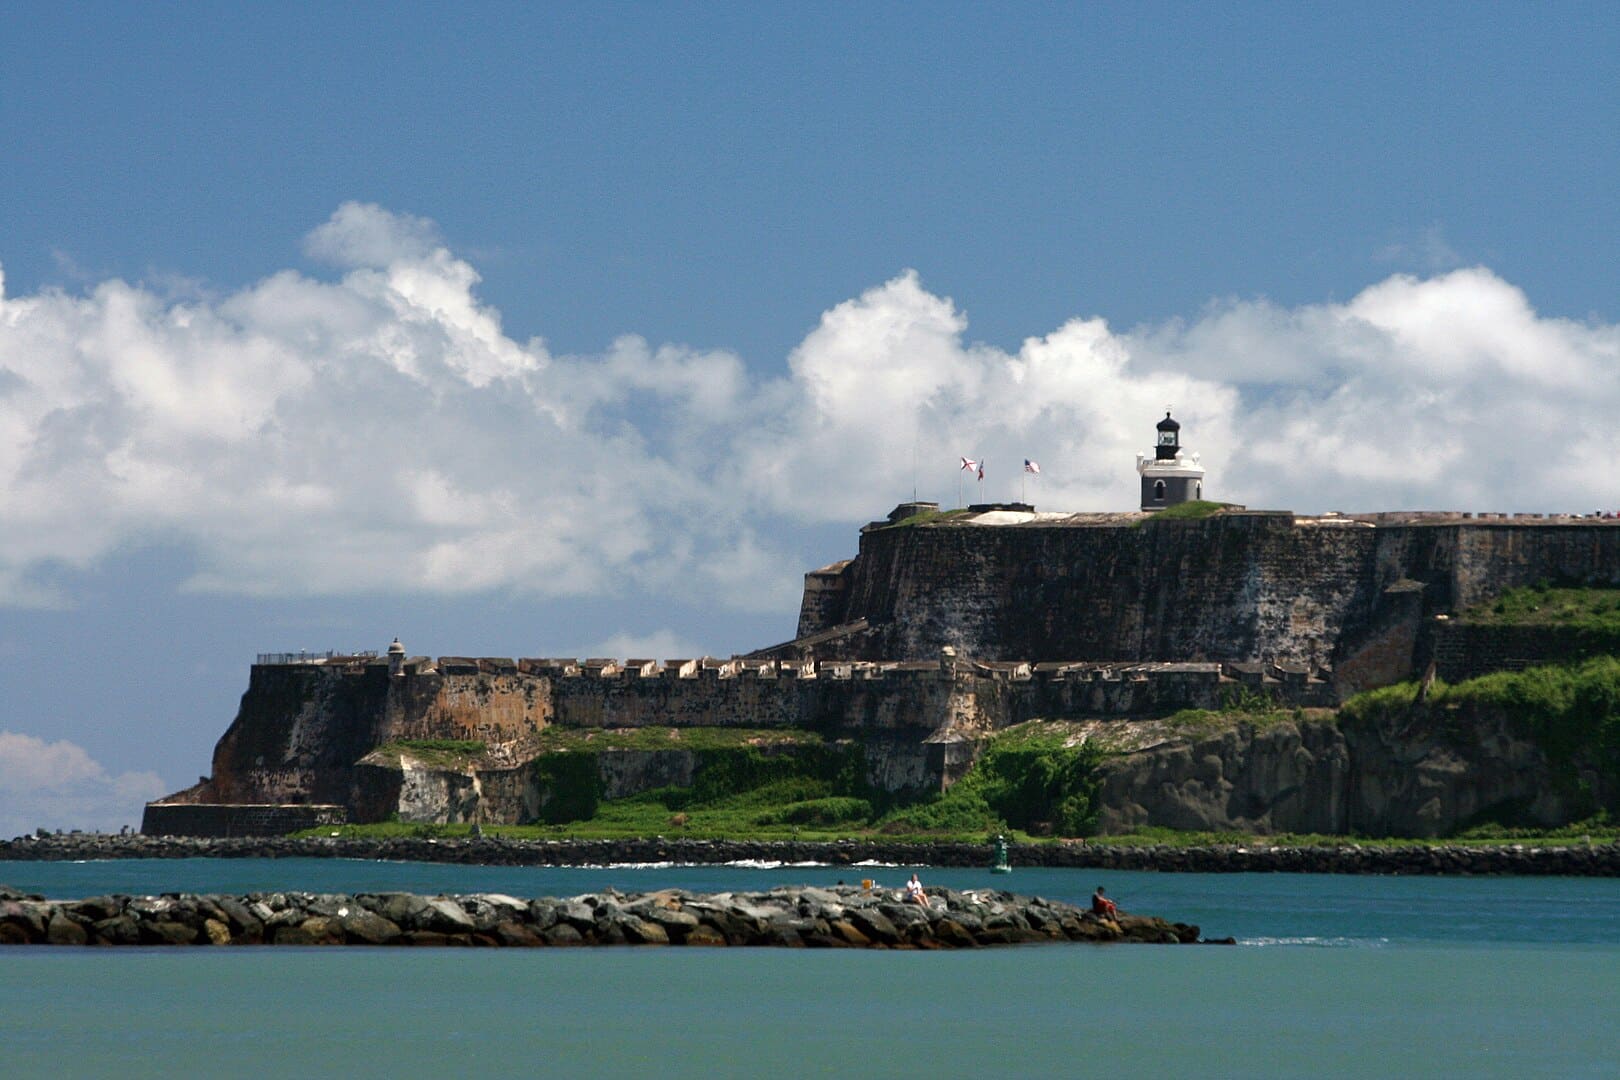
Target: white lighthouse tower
column 1169, row 476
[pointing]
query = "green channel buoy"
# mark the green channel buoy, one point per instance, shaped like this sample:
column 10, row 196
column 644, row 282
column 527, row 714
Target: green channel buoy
column 1001, row 865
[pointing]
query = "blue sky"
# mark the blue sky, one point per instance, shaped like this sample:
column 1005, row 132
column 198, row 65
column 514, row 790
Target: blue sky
column 534, row 330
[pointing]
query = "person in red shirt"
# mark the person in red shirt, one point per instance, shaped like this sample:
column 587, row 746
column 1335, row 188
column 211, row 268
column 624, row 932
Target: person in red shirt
column 1102, row 906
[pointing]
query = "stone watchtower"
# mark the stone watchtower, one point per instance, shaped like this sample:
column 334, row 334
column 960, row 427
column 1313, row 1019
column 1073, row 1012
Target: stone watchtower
column 396, row 658
column 1168, row 477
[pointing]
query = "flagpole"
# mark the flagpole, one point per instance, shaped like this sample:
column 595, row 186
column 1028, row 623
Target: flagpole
column 915, row 424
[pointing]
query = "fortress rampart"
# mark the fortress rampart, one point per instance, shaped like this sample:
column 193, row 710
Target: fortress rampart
column 304, row 727
column 1236, row 586
column 938, row 633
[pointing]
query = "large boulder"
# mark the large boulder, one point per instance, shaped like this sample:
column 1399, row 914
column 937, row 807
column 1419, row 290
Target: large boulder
column 62, row 930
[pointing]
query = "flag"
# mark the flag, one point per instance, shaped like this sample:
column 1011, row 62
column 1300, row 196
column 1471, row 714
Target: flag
column 981, row 470
column 1031, row 467
column 968, row 465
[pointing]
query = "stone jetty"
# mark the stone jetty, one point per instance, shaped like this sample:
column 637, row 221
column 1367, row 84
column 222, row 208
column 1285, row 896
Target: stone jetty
column 1560, row 858
column 789, row 917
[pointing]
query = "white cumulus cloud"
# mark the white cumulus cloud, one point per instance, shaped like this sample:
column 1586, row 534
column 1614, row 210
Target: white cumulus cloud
column 382, row 432
column 662, row 644
column 58, row 785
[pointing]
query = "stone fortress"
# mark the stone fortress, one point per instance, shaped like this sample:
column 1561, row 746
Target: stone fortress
column 944, row 628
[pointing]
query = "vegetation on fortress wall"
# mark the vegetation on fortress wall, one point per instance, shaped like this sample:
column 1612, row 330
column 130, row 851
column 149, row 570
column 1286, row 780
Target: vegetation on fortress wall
column 1193, row 510
column 742, row 780
column 924, row 517
column 760, row 784
column 593, row 740
column 1571, row 712
column 1585, row 607
column 438, row 753
column 1034, row 777
column 1586, row 619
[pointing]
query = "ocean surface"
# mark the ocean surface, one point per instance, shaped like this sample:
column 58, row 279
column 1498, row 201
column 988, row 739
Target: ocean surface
column 1334, row 976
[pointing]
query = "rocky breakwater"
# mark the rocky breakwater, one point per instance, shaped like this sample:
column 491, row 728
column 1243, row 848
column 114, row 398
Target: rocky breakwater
column 1558, row 858
column 790, row 917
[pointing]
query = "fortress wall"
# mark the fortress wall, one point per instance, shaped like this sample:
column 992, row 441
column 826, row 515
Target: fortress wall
column 1233, row 587
column 625, row 699
column 298, row 731
column 301, row 727
column 858, row 698
column 1463, row 651
column 216, row 819
column 837, row 697
column 491, row 708
column 826, row 593
column 1112, row 691
column 1498, row 556
column 879, row 701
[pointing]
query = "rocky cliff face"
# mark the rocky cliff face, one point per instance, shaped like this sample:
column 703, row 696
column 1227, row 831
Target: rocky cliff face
column 1282, row 777
column 1410, row 773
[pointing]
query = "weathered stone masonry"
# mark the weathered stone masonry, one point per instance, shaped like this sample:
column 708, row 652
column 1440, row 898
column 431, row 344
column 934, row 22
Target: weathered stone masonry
column 935, row 635
column 1234, row 587
column 305, row 731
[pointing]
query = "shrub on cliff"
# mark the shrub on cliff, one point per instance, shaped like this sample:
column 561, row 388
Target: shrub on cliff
column 1571, row 712
column 959, row 810
column 1029, row 777
column 821, row 813
column 572, row 786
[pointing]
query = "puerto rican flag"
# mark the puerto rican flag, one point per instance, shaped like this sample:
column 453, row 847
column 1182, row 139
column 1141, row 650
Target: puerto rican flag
column 1031, row 467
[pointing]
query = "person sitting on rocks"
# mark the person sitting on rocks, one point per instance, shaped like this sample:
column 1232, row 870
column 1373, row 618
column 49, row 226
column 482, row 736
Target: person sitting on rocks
column 1101, row 906
column 914, row 892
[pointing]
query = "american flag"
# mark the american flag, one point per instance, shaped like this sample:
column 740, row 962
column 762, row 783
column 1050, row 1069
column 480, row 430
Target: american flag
column 1031, row 467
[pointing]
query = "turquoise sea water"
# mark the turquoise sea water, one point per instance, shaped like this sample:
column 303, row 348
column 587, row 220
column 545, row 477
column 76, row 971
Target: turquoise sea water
column 1338, row 976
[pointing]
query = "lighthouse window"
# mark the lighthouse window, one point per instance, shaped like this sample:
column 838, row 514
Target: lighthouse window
column 1158, row 491
column 1167, row 438
column 1198, row 491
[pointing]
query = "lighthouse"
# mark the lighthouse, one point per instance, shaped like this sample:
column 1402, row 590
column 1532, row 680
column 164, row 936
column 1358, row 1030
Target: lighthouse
column 1169, row 475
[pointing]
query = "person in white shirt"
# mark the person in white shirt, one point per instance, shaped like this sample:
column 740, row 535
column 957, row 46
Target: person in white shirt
column 914, row 892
